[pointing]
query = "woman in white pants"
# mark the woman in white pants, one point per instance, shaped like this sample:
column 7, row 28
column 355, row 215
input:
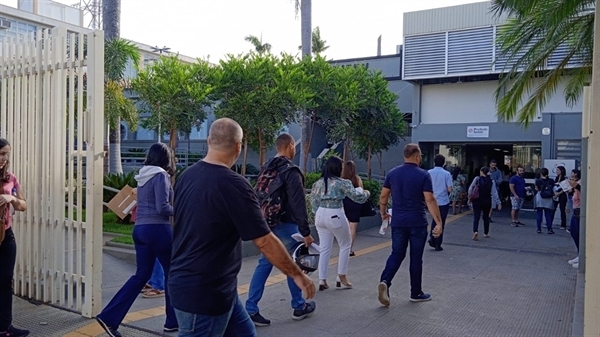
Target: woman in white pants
column 327, row 198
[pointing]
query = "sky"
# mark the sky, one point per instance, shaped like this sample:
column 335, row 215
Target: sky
column 215, row 28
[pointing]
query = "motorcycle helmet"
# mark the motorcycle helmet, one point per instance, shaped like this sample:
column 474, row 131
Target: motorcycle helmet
column 304, row 259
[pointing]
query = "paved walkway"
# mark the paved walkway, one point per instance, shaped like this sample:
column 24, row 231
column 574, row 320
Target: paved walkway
column 516, row 283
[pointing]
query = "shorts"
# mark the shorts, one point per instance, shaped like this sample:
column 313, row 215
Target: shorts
column 516, row 204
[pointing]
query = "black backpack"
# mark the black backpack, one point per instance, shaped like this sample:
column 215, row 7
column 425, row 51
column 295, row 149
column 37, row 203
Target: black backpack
column 546, row 191
column 270, row 192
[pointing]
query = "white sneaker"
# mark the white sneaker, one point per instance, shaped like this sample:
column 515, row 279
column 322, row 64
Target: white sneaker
column 575, row 265
column 575, row 260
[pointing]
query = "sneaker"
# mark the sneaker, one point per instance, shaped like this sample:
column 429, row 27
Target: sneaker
column 431, row 243
column 309, row 309
column 575, row 260
column 575, row 265
column 110, row 331
column 439, row 248
column 174, row 329
column 422, row 297
column 259, row 320
column 384, row 294
column 154, row 293
column 563, row 228
column 520, row 223
column 14, row 332
column 514, row 224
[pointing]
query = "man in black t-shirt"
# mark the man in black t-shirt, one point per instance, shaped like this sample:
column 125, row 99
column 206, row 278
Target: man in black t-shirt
column 215, row 208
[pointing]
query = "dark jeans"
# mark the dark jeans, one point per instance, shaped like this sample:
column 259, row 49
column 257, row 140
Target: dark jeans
column 8, row 255
column 444, row 214
column 151, row 242
column 236, row 322
column 402, row 237
column 575, row 227
column 548, row 213
column 562, row 202
column 478, row 211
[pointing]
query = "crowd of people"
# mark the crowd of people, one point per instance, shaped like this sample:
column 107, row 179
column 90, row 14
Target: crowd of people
column 188, row 236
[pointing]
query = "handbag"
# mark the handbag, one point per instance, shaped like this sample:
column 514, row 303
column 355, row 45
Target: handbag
column 475, row 192
column 367, row 210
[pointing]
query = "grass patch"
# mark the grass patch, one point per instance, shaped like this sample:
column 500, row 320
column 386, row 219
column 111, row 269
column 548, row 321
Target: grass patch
column 128, row 240
column 110, row 224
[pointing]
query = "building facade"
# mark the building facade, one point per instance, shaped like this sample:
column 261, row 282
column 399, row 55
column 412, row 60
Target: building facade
column 451, row 57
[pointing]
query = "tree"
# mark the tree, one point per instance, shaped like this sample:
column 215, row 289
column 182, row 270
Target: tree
column 304, row 7
column 536, row 31
column 259, row 47
column 318, row 44
column 176, row 94
column 117, row 53
column 262, row 93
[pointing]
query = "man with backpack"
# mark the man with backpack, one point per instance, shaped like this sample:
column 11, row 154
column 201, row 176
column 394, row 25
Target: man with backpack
column 281, row 195
column 544, row 205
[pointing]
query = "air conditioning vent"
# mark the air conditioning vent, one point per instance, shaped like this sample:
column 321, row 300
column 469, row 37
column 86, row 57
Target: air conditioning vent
column 5, row 24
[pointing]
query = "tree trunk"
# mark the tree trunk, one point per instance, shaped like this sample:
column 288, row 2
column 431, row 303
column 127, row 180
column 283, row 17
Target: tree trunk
column 245, row 161
column 115, row 151
column 306, row 29
column 380, row 156
column 111, row 24
column 369, row 163
column 173, row 137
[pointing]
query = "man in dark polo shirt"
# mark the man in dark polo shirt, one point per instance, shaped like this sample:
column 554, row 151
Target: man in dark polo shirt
column 412, row 191
column 215, row 208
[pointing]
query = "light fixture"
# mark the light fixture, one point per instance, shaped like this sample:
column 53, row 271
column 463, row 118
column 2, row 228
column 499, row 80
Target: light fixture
column 497, row 150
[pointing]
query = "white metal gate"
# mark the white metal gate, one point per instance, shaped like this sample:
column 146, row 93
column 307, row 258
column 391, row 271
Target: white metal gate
column 51, row 111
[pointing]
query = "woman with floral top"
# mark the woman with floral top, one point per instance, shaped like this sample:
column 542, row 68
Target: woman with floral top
column 327, row 198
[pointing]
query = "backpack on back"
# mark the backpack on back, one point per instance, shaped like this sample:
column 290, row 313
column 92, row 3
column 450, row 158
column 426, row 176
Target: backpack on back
column 547, row 191
column 270, row 192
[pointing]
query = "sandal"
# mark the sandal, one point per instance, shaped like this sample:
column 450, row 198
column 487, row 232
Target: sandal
column 153, row 293
column 352, row 254
column 146, row 288
column 323, row 285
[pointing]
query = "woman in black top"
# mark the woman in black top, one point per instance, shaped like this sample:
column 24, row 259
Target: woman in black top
column 488, row 198
column 560, row 197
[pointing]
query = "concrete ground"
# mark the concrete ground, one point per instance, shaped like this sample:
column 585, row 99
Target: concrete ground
column 516, row 283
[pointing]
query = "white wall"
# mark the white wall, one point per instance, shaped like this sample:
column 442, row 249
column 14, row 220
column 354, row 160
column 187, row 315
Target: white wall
column 458, row 103
column 474, row 103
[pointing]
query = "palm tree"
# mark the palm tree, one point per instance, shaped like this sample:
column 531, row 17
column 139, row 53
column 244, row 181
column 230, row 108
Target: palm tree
column 304, row 7
column 318, row 44
column 117, row 53
column 560, row 31
column 258, row 45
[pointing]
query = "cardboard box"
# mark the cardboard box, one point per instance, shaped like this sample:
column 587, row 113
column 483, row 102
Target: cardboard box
column 123, row 202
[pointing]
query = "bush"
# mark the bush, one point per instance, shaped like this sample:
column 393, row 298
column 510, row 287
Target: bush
column 374, row 187
column 310, row 179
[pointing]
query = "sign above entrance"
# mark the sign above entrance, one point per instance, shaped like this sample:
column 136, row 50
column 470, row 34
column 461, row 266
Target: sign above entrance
column 478, row 132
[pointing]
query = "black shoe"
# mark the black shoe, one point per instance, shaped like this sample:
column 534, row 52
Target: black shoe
column 174, row 329
column 439, row 248
column 309, row 309
column 550, row 231
column 431, row 243
column 14, row 332
column 259, row 320
column 539, row 231
column 110, row 331
column 352, row 253
column 422, row 297
column 491, row 220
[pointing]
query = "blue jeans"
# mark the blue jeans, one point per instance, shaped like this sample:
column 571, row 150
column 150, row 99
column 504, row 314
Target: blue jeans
column 151, row 242
column 284, row 232
column 444, row 214
column 548, row 214
column 157, row 280
column 575, row 226
column 402, row 237
column 234, row 323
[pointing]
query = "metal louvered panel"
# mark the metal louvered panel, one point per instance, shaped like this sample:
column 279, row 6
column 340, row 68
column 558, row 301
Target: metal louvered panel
column 559, row 54
column 471, row 51
column 425, row 56
column 568, row 149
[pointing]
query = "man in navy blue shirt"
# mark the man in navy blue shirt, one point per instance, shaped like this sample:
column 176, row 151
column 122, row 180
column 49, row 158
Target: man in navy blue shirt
column 412, row 192
column 517, row 195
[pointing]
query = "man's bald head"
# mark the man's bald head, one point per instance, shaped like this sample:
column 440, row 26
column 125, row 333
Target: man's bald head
column 224, row 135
